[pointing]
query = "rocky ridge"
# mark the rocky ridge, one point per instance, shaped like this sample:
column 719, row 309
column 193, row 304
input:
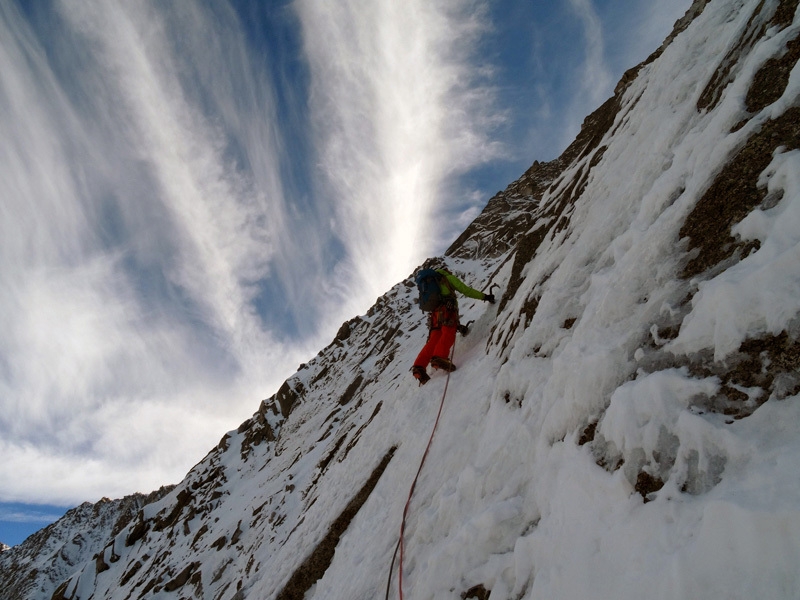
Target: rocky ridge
column 38, row 565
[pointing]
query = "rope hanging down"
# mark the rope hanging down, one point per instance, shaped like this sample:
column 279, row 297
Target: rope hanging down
column 400, row 543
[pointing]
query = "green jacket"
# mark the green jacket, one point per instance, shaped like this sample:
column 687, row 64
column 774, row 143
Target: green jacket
column 456, row 284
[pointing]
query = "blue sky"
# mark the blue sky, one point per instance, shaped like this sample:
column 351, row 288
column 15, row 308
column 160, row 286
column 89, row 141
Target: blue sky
column 195, row 195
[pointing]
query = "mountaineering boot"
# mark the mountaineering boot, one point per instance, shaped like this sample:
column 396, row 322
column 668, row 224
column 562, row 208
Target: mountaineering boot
column 437, row 362
column 420, row 374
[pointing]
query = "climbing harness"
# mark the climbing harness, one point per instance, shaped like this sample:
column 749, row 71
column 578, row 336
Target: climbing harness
column 400, row 544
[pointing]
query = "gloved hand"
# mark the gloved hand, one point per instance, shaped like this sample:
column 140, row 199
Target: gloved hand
column 488, row 298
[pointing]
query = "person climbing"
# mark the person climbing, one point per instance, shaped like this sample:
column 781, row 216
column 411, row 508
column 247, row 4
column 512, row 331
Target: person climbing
column 437, row 289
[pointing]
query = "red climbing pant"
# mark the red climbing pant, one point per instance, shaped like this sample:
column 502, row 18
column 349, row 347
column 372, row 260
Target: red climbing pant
column 441, row 338
column 440, row 341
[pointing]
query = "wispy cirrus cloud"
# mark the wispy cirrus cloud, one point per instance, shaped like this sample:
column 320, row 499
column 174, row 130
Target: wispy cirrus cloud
column 194, row 196
column 141, row 207
column 165, row 256
column 399, row 106
column 595, row 74
column 594, row 80
column 16, row 516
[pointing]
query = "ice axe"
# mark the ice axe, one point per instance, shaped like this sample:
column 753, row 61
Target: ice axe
column 491, row 287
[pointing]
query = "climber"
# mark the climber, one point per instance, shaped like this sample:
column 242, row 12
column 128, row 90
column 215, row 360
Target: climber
column 437, row 295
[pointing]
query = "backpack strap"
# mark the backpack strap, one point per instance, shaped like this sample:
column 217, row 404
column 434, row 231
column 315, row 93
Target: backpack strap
column 443, row 279
column 450, row 300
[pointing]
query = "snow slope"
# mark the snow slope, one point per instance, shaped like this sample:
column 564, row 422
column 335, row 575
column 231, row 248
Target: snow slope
column 624, row 422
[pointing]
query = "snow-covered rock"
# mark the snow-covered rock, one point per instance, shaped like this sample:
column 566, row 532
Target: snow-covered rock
column 624, row 422
column 36, row 567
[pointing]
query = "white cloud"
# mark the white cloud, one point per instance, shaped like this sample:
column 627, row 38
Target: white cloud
column 118, row 448
column 129, row 248
column 218, row 242
column 398, row 109
column 27, row 516
column 145, row 209
column 591, row 82
column 144, row 212
column 595, row 77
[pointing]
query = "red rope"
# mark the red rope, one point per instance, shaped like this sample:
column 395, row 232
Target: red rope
column 416, row 477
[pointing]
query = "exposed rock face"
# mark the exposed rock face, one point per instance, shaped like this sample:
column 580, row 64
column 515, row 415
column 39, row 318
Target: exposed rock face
column 589, row 252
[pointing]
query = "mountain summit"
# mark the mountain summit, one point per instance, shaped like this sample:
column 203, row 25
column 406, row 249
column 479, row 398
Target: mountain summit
column 624, row 422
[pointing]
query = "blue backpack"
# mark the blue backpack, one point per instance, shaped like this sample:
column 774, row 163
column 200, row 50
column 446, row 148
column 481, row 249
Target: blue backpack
column 430, row 292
